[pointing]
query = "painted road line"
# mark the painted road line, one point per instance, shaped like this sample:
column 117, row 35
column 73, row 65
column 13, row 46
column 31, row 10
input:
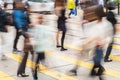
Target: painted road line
column 4, row 76
column 50, row 72
column 88, row 65
column 117, row 47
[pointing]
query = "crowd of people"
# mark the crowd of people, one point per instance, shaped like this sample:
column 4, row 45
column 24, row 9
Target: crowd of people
column 36, row 35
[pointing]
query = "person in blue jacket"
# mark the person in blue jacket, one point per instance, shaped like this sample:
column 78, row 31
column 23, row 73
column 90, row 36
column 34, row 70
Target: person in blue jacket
column 21, row 22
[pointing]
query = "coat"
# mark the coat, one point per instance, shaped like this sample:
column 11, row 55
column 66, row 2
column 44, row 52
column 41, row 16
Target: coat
column 70, row 4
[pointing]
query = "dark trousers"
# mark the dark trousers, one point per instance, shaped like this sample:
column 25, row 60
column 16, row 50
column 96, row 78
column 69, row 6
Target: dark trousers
column 63, row 38
column 18, row 34
column 97, row 62
column 22, row 66
column 70, row 12
column 40, row 56
column 109, row 49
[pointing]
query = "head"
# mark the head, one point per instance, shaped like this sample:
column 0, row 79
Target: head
column 19, row 5
column 36, row 18
column 99, row 12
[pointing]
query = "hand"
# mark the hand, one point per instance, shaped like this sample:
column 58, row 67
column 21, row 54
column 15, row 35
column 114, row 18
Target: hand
column 84, row 21
column 20, row 30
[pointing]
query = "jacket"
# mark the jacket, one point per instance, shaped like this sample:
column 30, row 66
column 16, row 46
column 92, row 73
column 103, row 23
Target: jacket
column 70, row 4
column 21, row 19
column 3, row 20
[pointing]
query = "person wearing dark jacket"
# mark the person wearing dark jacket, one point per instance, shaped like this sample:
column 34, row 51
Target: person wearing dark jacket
column 111, row 18
column 21, row 22
column 61, row 27
column 4, row 24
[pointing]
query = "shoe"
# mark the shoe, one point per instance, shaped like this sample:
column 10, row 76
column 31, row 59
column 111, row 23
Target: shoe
column 3, row 57
column 63, row 49
column 107, row 60
column 15, row 50
column 58, row 46
column 22, row 75
column 73, row 72
column 35, row 78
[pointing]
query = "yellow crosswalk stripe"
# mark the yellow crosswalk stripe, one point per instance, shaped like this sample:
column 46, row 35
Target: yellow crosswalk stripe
column 117, row 47
column 110, row 72
column 47, row 71
column 4, row 76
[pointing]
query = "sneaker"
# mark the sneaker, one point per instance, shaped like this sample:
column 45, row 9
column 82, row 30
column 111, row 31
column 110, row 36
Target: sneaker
column 73, row 72
column 107, row 60
column 3, row 57
column 35, row 78
column 58, row 46
column 15, row 50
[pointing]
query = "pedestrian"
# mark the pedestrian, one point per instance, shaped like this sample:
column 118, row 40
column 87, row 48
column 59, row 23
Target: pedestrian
column 21, row 22
column 41, row 41
column 61, row 25
column 110, row 16
column 4, row 27
column 76, row 6
column 100, row 41
column 71, row 7
column 28, row 48
column 96, row 41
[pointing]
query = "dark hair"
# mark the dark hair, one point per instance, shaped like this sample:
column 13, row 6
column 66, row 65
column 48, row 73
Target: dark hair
column 99, row 12
column 111, row 17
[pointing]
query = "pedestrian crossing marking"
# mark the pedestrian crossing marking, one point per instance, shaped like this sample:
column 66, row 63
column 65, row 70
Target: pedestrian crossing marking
column 117, row 47
column 84, row 64
column 4, row 76
column 50, row 72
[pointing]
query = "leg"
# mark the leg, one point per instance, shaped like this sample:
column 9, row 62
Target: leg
column 22, row 66
column 100, row 72
column 93, row 72
column 16, row 40
column 70, row 12
column 109, row 49
column 57, row 38
column 36, row 66
column 62, row 41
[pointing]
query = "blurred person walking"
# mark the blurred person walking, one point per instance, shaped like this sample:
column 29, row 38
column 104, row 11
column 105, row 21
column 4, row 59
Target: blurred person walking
column 4, row 27
column 28, row 48
column 21, row 22
column 96, row 41
column 110, row 16
column 100, row 39
column 41, row 41
column 61, row 27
